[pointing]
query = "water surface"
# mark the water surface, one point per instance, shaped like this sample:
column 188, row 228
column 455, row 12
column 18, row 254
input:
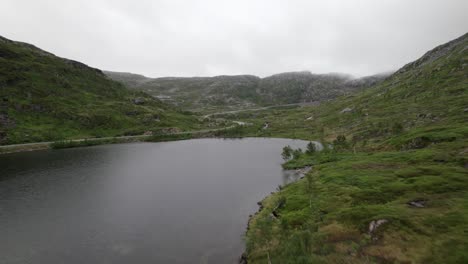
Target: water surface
column 174, row 202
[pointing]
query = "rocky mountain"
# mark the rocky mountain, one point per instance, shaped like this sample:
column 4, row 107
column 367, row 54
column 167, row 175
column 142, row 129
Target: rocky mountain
column 240, row 91
column 44, row 97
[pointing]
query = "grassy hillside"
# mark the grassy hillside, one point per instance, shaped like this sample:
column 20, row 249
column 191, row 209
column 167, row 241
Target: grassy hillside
column 44, row 97
column 209, row 94
column 394, row 187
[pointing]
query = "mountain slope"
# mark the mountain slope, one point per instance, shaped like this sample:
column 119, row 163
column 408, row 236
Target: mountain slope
column 240, row 91
column 297, row 87
column 393, row 189
column 44, row 97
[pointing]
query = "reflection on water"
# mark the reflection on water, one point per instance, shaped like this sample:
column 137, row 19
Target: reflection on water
column 174, row 202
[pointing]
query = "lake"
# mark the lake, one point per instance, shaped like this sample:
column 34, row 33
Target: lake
column 172, row 202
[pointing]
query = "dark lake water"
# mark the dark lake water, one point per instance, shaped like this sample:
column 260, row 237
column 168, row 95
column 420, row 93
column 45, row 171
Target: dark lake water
column 174, row 202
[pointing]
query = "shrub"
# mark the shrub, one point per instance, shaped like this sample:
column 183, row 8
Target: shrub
column 311, row 148
column 340, row 143
column 287, row 152
column 297, row 153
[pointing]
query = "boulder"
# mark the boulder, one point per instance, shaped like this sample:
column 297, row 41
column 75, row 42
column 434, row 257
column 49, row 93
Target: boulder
column 374, row 224
column 346, row 110
column 139, row 101
column 417, row 203
column 243, row 259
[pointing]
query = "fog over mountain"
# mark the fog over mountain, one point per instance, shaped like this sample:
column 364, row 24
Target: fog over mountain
column 215, row 37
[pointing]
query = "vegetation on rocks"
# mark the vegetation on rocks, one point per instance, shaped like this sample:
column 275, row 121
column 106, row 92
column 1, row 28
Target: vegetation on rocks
column 211, row 94
column 47, row 98
column 392, row 187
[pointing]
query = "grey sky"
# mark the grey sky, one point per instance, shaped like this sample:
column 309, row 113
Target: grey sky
column 212, row 37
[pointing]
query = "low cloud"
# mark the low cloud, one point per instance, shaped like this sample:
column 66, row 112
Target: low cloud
column 212, row 37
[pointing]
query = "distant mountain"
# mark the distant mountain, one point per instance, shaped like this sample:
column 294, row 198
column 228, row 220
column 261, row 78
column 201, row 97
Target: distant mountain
column 44, row 98
column 297, row 87
column 240, row 91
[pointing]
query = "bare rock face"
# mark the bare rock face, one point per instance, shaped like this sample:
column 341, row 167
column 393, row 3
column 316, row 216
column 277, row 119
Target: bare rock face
column 373, row 225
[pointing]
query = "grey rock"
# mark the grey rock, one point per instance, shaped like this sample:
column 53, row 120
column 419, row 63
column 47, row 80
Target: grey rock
column 139, row 101
column 373, row 225
column 131, row 113
column 417, row 203
column 243, row 259
column 346, row 110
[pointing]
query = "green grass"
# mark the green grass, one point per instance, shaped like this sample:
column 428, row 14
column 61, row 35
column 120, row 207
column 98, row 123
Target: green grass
column 87, row 142
column 47, row 98
column 406, row 140
column 326, row 215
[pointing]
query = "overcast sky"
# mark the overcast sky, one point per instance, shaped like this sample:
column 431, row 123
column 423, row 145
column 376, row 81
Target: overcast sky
column 213, row 37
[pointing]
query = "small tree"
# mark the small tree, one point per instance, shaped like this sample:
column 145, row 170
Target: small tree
column 340, row 140
column 340, row 143
column 287, row 152
column 311, row 148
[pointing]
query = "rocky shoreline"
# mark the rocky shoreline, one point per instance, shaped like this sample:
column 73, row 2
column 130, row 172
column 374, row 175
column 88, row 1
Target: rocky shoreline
column 301, row 172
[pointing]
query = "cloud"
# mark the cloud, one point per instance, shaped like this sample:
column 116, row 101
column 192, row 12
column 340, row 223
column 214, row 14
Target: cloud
column 211, row 37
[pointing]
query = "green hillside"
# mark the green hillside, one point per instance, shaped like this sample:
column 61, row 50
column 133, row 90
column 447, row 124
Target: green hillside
column 221, row 93
column 44, row 98
column 393, row 188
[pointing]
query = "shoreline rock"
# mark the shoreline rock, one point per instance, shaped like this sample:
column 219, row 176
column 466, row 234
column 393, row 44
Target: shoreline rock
column 243, row 259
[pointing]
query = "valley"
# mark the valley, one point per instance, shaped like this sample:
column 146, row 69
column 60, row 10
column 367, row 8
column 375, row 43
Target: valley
column 389, row 186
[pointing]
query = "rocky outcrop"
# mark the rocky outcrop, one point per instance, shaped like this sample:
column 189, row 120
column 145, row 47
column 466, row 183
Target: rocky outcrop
column 434, row 54
column 243, row 259
column 417, row 203
column 346, row 110
column 374, row 224
column 139, row 101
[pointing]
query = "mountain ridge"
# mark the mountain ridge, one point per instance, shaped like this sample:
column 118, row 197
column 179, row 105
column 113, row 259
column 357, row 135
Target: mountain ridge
column 239, row 91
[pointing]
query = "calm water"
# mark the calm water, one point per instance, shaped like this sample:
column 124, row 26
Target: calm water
column 175, row 202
